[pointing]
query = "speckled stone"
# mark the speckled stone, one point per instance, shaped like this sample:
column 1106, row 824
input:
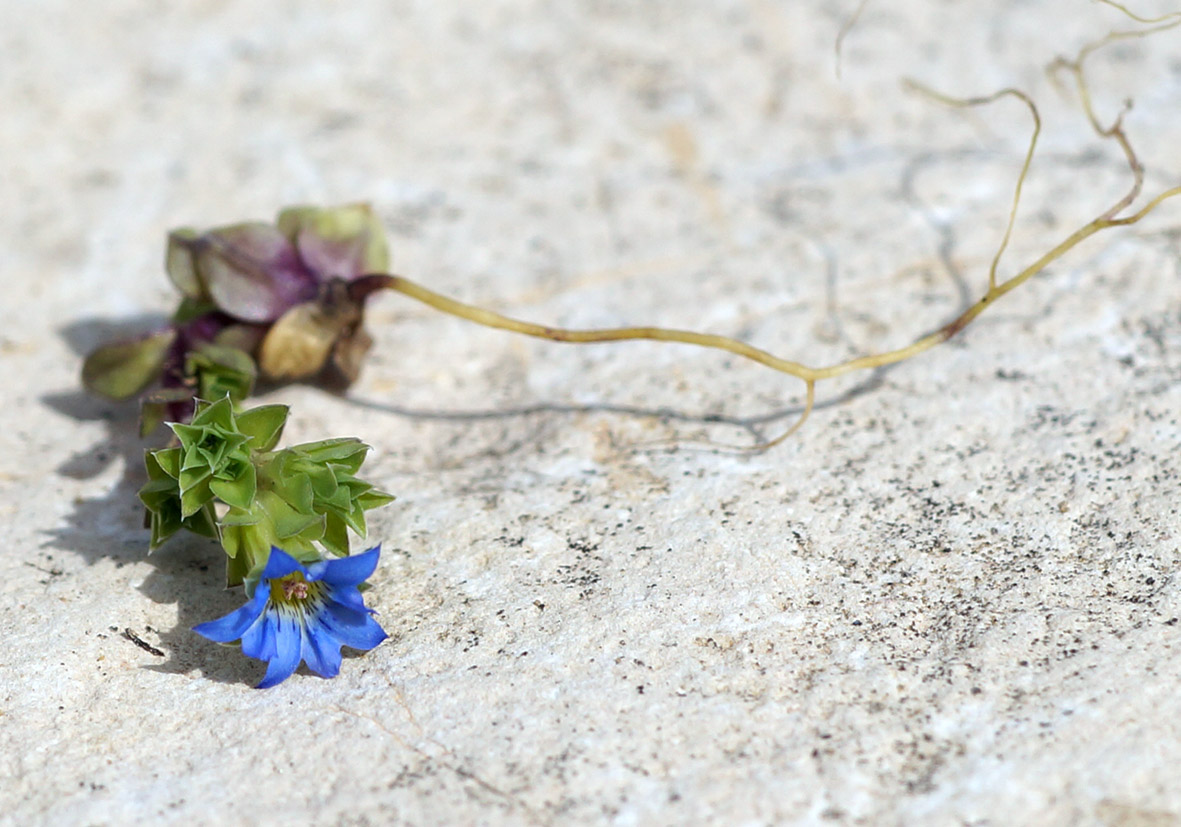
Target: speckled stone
column 950, row 599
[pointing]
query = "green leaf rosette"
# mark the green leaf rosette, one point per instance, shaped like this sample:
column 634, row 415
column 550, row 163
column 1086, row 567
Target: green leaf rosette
column 226, row 480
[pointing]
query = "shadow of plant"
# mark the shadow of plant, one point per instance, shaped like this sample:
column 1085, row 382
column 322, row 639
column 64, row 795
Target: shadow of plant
column 759, row 428
column 187, row 572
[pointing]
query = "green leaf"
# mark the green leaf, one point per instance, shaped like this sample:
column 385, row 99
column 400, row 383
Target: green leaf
column 235, row 466
column 181, row 263
column 294, row 488
column 351, row 464
column 163, row 518
column 189, row 437
column 192, row 476
column 219, row 413
column 264, row 425
column 336, row 535
column 323, row 482
column 163, row 463
column 354, row 486
column 155, row 494
column 161, row 499
column 355, row 519
column 194, row 498
column 209, row 448
column 238, row 492
column 204, row 522
column 374, row 499
column 164, row 523
column 287, row 521
column 253, row 538
column 342, row 450
column 124, row 369
column 222, row 371
column 339, row 501
column 242, row 516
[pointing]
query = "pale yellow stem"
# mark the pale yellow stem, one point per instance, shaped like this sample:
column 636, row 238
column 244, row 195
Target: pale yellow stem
column 811, row 375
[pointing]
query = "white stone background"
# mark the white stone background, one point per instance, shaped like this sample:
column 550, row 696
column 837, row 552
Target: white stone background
column 951, row 599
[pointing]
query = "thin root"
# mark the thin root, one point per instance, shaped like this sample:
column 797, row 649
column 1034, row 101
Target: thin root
column 997, row 287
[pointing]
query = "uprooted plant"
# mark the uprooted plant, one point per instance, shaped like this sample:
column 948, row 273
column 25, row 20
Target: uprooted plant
column 286, row 301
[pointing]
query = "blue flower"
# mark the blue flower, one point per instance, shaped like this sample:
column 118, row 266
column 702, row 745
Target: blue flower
column 303, row 613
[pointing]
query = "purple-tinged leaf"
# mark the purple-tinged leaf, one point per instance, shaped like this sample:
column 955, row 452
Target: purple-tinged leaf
column 252, row 272
column 340, row 242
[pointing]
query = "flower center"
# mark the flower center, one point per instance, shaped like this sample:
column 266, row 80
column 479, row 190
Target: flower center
column 295, row 589
column 294, row 592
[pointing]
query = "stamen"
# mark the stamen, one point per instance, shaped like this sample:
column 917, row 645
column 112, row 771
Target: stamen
column 295, row 589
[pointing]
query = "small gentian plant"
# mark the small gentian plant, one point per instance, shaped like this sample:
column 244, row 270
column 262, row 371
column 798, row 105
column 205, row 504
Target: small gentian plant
column 227, row 479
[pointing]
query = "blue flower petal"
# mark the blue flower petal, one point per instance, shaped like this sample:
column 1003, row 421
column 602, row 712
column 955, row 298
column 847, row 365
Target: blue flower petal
column 350, row 598
column 235, row 624
column 352, row 628
column 288, row 634
column 280, row 564
column 259, row 640
column 345, row 571
column 320, row 649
